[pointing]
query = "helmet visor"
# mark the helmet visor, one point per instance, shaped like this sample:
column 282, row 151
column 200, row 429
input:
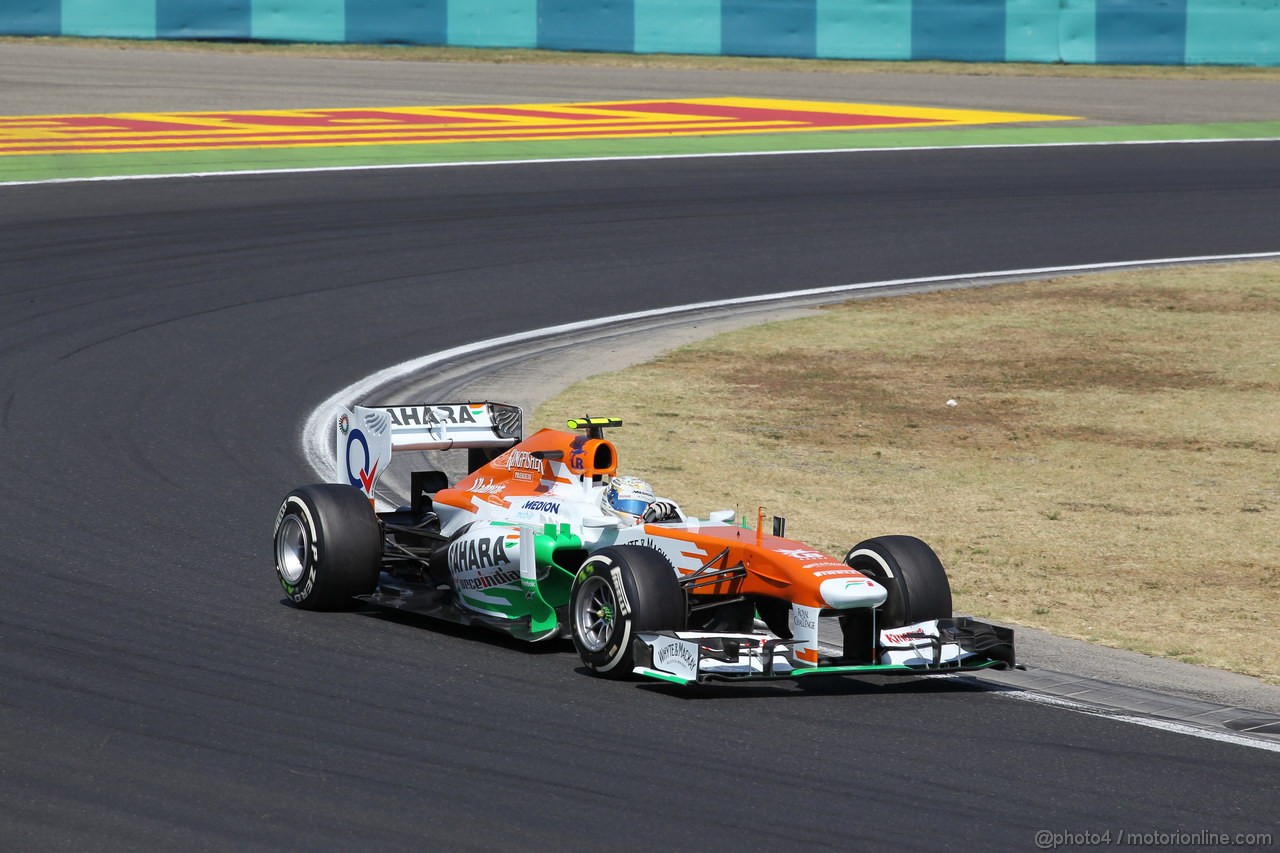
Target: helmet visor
column 631, row 506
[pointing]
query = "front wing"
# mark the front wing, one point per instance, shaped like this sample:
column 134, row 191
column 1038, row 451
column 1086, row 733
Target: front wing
column 927, row 648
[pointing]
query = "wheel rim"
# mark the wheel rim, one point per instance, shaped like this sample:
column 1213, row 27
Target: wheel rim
column 593, row 613
column 293, row 547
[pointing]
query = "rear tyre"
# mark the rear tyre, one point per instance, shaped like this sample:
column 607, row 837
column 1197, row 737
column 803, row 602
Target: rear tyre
column 328, row 546
column 618, row 591
column 911, row 572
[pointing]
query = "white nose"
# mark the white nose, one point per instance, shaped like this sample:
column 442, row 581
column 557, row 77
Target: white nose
column 844, row 593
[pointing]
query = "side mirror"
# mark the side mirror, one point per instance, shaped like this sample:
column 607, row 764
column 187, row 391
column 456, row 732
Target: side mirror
column 723, row 516
column 601, row 521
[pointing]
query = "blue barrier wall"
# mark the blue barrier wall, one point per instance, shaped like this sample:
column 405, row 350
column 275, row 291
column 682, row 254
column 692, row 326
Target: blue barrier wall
column 1161, row 32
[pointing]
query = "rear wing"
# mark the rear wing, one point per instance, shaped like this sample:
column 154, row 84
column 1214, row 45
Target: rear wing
column 365, row 437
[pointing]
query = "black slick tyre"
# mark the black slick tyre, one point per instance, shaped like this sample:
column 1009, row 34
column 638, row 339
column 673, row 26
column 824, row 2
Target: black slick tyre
column 617, row 592
column 328, row 546
column 912, row 574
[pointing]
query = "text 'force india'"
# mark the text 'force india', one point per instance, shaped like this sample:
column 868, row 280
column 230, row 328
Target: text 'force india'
column 534, row 542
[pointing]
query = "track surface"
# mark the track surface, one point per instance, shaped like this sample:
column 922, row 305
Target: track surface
column 159, row 342
column 38, row 78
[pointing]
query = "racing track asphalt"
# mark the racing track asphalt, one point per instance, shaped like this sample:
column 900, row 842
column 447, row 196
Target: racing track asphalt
column 160, row 342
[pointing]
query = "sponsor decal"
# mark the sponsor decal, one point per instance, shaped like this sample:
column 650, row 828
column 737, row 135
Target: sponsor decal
column 542, row 506
column 804, row 554
column 487, row 581
column 407, row 416
column 675, row 655
column 468, row 555
column 434, row 415
column 344, row 424
column 906, row 637
column 485, row 486
column 577, row 454
column 520, row 460
column 845, row 571
column 362, row 477
column 624, row 606
column 684, row 561
column 804, row 619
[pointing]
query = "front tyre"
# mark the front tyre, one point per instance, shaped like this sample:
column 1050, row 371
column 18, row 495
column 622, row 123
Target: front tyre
column 328, row 546
column 617, row 592
column 911, row 572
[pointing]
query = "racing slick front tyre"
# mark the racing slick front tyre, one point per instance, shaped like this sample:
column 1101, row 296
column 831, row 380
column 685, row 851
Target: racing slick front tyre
column 328, row 546
column 618, row 591
column 911, row 572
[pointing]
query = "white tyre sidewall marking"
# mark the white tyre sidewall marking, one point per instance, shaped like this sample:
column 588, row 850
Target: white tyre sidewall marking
column 601, row 563
column 878, row 558
column 308, row 577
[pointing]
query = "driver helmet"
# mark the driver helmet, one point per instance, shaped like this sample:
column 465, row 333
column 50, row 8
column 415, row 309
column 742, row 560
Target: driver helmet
column 627, row 498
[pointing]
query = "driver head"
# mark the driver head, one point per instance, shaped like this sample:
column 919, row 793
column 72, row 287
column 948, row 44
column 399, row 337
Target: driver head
column 627, row 498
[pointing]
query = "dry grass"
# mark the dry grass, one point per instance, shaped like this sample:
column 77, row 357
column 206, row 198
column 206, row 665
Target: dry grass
column 412, row 53
column 1111, row 470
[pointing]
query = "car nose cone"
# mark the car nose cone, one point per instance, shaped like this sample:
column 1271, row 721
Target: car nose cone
column 844, row 593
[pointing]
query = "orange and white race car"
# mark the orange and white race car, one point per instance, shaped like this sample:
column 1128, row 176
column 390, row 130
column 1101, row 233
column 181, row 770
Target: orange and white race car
column 542, row 539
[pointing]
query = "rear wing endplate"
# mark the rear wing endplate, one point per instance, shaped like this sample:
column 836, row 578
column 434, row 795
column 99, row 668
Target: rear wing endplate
column 365, row 437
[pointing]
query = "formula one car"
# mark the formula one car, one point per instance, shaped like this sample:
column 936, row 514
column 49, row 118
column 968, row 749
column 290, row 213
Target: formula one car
column 542, row 539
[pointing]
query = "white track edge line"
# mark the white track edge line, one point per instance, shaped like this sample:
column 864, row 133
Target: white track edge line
column 317, row 441
column 1149, row 722
column 548, row 160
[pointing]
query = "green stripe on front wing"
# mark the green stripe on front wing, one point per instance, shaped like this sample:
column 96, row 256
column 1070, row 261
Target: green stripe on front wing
column 864, row 669
column 894, row 668
column 662, row 676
